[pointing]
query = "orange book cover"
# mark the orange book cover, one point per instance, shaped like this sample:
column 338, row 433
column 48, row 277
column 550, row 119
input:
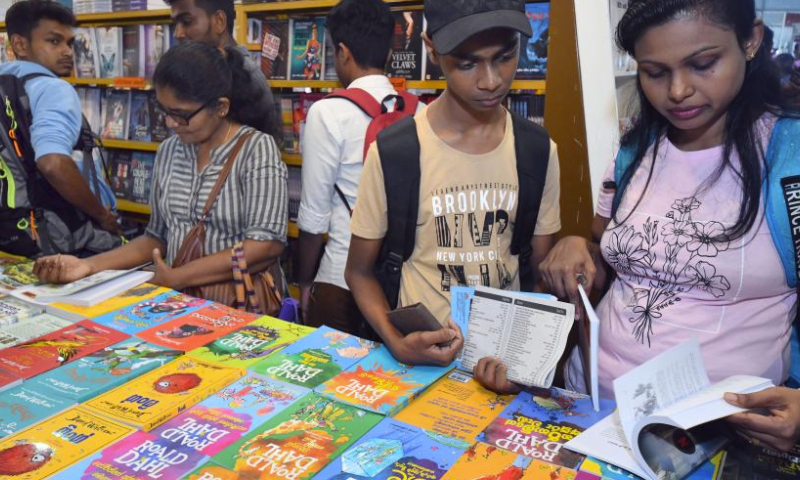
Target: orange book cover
column 197, row 328
column 486, row 462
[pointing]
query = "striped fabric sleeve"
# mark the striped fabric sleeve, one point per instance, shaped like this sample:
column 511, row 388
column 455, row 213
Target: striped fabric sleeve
column 264, row 186
column 157, row 227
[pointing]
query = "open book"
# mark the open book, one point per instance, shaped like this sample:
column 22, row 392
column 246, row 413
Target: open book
column 86, row 291
column 527, row 331
column 662, row 428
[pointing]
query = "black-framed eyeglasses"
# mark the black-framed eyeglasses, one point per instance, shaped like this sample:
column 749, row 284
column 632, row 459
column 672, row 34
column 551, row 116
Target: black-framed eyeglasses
column 183, row 119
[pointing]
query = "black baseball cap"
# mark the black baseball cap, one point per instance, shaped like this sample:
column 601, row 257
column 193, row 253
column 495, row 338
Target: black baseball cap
column 451, row 22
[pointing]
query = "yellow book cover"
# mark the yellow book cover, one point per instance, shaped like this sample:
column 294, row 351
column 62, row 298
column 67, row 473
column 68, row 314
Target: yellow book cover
column 160, row 394
column 455, row 406
column 486, row 462
column 128, row 297
column 57, row 443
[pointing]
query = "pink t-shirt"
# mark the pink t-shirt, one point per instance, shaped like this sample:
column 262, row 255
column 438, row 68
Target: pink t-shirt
column 674, row 284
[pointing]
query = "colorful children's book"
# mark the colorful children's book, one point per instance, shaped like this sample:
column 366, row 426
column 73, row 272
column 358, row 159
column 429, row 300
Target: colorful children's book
column 102, row 370
column 30, row 328
column 308, row 36
column 53, row 445
column 136, row 294
column 181, row 444
column 12, row 310
column 252, row 343
column 539, row 422
column 456, row 406
column 16, row 272
column 316, row 358
column 406, row 58
column 298, row 442
column 594, row 469
column 486, row 462
column 154, row 311
column 393, row 450
column 380, row 383
column 8, row 381
column 210, row 471
column 21, row 407
column 157, row 396
column 55, row 349
column 195, row 329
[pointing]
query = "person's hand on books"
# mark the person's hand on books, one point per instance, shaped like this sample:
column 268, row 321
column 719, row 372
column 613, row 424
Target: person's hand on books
column 165, row 275
column 490, row 372
column 61, row 269
column 569, row 262
column 776, row 419
column 438, row 347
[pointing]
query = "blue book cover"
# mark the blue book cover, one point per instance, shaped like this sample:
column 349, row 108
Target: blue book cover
column 533, row 49
column 103, row 370
column 539, row 422
column 143, row 315
column 316, row 358
column 140, row 130
column 21, row 407
column 381, row 384
column 392, row 450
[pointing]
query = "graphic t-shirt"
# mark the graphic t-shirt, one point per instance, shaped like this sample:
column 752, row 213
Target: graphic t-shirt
column 674, row 283
column 467, row 211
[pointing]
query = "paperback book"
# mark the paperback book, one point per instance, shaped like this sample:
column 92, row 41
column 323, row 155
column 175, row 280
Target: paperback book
column 12, row 310
column 8, row 381
column 91, row 104
column 138, row 294
column 308, row 36
column 195, row 329
column 252, row 343
column 158, row 122
column 394, row 450
column 153, row 398
column 16, row 272
column 54, row 444
column 142, row 175
column 329, row 70
column 456, row 406
column 21, row 407
column 140, row 130
column 156, row 45
column 133, row 50
column 594, row 469
column 154, row 311
column 487, row 462
column 406, row 58
column 55, row 349
column 102, row 370
column 121, row 178
column 379, row 383
column 537, row 424
column 533, row 49
column 30, row 328
column 87, row 57
column 209, row 471
column 109, row 45
column 298, row 442
column 316, row 358
column 87, row 291
column 116, row 114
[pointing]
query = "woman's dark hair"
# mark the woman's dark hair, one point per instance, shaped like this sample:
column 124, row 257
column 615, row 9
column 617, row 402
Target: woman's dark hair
column 761, row 93
column 198, row 72
column 366, row 27
column 23, row 17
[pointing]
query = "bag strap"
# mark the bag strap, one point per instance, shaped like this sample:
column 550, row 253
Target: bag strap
column 243, row 282
column 223, row 175
column 360, row 98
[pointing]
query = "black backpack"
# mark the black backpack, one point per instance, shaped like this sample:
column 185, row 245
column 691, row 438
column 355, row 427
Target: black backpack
column 399, row 151
column 16, row 119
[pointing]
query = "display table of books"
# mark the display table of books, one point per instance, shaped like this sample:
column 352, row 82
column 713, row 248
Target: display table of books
column 153, row 384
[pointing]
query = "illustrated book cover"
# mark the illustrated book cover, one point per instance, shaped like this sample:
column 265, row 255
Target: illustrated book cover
column 152, row 312
column 487, row 462
column 21, row 407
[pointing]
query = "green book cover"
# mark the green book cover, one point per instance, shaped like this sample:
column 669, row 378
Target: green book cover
column 251, row 343
column 298, row 442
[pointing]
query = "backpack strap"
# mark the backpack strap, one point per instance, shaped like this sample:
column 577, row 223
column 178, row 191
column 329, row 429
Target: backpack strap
column 532, row 147
column 399, row 151
column 360, row 98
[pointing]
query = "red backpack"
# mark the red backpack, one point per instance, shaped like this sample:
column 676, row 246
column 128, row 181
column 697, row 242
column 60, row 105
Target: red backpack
column 405, row 105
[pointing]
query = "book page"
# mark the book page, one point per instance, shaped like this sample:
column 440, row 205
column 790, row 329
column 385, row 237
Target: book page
column 606, row 441
column 590, row 344
column 527, row 333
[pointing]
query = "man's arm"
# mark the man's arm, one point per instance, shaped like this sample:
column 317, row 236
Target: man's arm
column 65, row 177
column 310, row 248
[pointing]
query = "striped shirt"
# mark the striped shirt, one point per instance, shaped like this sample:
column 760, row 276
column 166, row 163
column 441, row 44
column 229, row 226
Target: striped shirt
column 251, row 205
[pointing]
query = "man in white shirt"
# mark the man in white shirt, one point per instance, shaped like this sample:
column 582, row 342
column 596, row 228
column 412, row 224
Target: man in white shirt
column 333, row 152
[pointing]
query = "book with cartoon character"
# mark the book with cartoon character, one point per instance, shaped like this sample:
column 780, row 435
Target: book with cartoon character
column 308, row 37
column 298, row 442
column 316, row 358
column 142, row 315
column 252, row 343
column 195, row 329
column 21, row 407
column 52, row 445
column 379, row 383
column 537, row 424
column 57, row 348
column 153, row 398
column 487, row 462
column 30, row 328
column 456, row 406
column 137, row 294
column 102, row 370
column 394, row 449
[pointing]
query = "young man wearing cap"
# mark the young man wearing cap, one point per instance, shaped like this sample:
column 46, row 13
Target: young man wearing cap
column 468, row 190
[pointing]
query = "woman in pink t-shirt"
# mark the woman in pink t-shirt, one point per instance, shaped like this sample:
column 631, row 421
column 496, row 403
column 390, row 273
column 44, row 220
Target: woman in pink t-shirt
column 684, row 250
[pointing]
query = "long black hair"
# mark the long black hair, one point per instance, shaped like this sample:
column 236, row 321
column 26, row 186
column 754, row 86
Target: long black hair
column 760, row 93
column 198, row 72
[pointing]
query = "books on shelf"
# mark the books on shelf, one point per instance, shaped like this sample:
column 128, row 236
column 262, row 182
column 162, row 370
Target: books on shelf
column 133, row 50
column 253, row 30
column 116, row 114
column 329, row 70
column 91, row 103
column 308, row 36
column 275, row 35
column 141, row 175
column 6, row 53
column 140, row 130
column 119, row 161
column 158, row 121
column 87, row 57
column 533, row 49
column 406, row 57
column 295, row 186
column 156, row 45
column 109, row 45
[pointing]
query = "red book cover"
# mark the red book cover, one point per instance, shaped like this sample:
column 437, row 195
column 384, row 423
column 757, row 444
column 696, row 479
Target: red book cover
column 7, row 381
column 62, row 346
column 197, row 328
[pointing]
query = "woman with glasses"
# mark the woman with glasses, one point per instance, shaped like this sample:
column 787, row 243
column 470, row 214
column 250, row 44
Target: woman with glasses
column 209, row 101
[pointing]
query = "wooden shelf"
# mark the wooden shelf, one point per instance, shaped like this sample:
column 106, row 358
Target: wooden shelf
column 131, row 145
column 292, row 159
column 132, row 207
column 292, row 230
column 294, row 291
column 298, row 5
column 538, row 85
column 253, row 47
column 100, row 82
